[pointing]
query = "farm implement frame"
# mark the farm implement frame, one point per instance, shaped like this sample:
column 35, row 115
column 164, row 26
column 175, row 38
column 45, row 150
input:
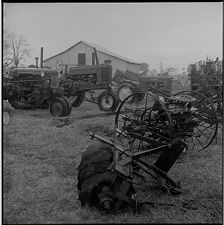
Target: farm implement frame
column 148, row 139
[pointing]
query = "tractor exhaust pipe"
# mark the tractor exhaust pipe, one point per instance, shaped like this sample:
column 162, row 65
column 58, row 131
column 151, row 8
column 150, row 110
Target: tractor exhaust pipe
column 36, row 58
column 96, row 57
column 41, row 57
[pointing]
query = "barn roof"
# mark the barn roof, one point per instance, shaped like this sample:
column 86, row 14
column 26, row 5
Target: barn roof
column 99, row 49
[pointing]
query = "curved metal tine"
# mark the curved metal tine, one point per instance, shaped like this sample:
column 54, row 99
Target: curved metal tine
column 203, row 135
column 211, row 137
column 130, row 117
column 141, row 145
column 134, row 115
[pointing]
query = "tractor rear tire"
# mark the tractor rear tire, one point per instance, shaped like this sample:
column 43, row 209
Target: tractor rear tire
column 69, row 106
column 59, row 107
column 109, row 104
column 79, row 100
column 126, row 90
column 93, row 176
column 92, row 171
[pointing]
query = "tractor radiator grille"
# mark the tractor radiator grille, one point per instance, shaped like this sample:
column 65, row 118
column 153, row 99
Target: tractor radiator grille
column 106, row 74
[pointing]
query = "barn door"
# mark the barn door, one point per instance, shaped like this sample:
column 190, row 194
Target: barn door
column 81, row 59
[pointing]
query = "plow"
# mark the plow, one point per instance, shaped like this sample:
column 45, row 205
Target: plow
column 148, row 138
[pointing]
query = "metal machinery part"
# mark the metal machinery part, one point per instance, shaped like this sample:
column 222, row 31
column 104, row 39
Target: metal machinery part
column 130, row 83
column 204, row 114
column 77, row 100
column 148, row 139
column 28, row 88
column 59, row 65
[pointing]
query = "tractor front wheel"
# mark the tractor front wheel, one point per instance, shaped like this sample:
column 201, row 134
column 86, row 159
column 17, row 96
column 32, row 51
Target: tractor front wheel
column 69, row 106
column 107, row 101
column 59, row 107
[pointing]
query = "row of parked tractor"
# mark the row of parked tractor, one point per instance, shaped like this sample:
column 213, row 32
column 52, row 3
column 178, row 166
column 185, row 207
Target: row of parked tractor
column 30, row 88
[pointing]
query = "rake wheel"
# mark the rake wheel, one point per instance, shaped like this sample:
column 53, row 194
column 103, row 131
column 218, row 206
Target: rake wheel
column 144, row 124
column 204, row 114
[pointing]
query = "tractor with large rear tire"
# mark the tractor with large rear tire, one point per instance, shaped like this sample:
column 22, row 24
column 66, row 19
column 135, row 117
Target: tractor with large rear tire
column 31, row 88
column 129, row 83
column 85, row 82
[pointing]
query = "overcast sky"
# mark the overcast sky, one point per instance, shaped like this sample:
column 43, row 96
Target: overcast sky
column 175, row 33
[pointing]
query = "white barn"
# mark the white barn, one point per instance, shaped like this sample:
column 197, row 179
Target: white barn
column 82, row 53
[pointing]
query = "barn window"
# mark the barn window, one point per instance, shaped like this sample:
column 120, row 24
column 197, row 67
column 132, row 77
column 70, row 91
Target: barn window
column 81, row 59
column 107, row 61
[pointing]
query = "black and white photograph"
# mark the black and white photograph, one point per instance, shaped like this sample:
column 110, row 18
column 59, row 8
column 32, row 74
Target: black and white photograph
column 112, row 112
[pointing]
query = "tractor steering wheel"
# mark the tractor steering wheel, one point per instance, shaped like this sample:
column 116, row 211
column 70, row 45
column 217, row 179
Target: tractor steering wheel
column 59, row 65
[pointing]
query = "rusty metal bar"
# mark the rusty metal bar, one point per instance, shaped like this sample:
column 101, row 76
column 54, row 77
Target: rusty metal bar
column 111, row 143
column 155, row 169
column 148, row 152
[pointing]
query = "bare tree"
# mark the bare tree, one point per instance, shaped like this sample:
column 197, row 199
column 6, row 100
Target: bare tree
column 15, row 47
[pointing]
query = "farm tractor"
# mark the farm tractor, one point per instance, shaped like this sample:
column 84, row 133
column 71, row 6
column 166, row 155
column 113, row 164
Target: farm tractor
column 130, row 83
column 148, row 138
column 82, row 82
column 29, row 88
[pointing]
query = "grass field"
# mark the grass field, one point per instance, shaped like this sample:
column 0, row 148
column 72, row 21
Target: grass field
column 41, row 155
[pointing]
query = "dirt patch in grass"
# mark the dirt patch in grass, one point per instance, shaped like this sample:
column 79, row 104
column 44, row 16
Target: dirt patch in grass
column 40, row 162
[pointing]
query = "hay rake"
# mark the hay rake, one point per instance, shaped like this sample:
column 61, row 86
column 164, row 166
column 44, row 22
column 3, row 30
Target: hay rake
column 149, row 136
